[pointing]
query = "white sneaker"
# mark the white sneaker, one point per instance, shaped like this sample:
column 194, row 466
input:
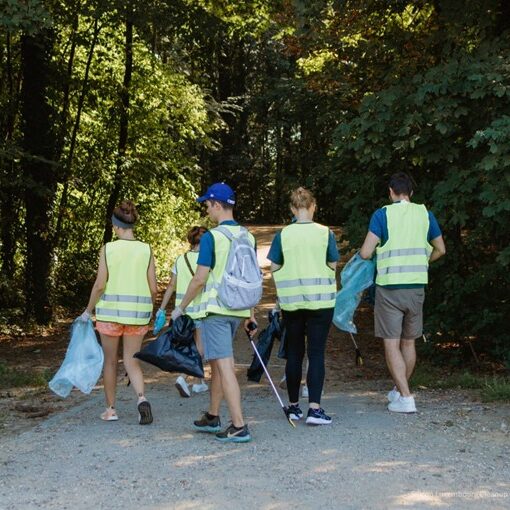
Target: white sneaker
column 182, row 387
column 199, row 388
column 402, row 405
column 304, row 391
column 393, row 395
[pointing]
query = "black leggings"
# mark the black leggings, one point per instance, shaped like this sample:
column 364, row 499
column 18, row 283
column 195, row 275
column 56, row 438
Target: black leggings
column 314, row 324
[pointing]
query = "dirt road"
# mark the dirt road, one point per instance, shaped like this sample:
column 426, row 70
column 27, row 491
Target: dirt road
column 454, row 453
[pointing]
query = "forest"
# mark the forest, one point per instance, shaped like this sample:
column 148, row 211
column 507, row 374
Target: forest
column 154, row 100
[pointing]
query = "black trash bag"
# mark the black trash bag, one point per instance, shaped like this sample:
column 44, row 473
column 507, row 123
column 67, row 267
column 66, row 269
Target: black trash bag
column 264, row 345
column 174, row 350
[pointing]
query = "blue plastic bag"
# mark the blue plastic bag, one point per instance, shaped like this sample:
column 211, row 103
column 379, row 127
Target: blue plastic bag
column 357, row 275
column 83, row 362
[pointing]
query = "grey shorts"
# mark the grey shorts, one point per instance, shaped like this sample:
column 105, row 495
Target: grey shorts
column 218, row 332
column 398, row 313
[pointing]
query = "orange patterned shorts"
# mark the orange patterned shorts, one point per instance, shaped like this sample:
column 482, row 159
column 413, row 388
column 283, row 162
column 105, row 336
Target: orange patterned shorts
column 115, row 329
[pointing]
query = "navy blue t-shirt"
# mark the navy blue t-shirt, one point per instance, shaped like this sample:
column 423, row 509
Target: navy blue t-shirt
column 276, row 253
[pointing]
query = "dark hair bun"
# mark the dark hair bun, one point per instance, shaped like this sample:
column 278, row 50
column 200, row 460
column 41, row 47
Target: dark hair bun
column 126, row 212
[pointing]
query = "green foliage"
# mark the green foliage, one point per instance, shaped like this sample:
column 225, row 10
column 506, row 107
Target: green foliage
column 14, row 378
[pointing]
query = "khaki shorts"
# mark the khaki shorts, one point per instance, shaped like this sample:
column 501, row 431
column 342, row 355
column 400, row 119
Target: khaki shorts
column 398, row 312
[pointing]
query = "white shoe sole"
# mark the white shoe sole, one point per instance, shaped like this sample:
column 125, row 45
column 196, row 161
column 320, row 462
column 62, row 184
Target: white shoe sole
column 295, row 417
column 201, row 390
column 317, row 421
column 402, row 411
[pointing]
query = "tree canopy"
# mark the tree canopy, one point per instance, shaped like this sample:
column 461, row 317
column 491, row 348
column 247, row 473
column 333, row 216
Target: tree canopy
column 101, row 100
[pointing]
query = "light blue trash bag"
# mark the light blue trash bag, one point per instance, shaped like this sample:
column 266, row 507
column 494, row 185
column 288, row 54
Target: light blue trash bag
column 356, row 276
column 83, row 363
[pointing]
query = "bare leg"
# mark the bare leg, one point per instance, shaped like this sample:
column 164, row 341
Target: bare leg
column 132, row 344
column 231, row 390
column 216, row 389
column 110, row 348
column 408, row 349
column 396, row 365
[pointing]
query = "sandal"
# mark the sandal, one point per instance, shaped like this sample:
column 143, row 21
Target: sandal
column 110, row 414
column 144, row 413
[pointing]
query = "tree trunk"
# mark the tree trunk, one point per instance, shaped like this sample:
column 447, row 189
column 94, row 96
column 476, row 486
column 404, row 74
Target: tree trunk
column 123, row 127
column 39, row 171
column 11, row 192
column 72, row 144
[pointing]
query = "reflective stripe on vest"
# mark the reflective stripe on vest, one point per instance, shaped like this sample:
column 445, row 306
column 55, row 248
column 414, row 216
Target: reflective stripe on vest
column 184, row 277
column 127, row 298
column 305, row 281
column 209, row 302
column 404, row 257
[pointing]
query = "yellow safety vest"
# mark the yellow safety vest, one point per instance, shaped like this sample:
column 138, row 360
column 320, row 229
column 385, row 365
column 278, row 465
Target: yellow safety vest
column 127, row 298
column 184, row 276
column 404, row 258
column 305, row 281
column 209, row 302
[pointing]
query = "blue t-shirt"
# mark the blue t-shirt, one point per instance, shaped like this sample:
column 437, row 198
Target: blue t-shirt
column 276, row 253
column 379, row 226
column 206, row 255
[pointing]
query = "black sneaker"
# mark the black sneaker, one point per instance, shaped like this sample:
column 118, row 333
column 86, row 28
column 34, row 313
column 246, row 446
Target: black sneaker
column 144, row 413
column 294, row 412
column 208, row 423
column 234, row 435
column 317, row 417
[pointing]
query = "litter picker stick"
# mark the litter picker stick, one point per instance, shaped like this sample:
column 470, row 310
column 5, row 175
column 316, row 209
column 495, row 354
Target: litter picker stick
column 359, row 357
column 251, row 327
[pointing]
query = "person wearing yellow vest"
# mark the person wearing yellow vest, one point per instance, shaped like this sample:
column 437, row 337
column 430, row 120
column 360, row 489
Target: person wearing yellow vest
column 219, row 324
column 122, row 296
column 182, row 273
column 303, row 261
column 406, row 238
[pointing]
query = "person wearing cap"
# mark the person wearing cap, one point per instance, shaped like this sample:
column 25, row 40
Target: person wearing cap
column 219, row 324
column 406, row 238
column 303, row 261
column 122, row 296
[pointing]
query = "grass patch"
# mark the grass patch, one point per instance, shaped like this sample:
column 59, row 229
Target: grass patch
column 495, row 388
column 12, row 378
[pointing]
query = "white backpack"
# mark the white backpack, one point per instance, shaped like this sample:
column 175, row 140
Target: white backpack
column 241, row 286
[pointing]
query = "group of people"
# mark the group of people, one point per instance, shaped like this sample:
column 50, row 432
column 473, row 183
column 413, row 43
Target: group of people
column 304, row 256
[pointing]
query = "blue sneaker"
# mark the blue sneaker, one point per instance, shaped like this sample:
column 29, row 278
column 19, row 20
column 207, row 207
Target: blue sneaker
column 234, row 435
column 317, row 417
column 208, row 423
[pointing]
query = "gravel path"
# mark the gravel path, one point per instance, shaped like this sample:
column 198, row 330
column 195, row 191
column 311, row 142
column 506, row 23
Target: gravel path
column 449, row 455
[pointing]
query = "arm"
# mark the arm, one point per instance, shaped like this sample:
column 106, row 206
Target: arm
column 369, row 246
column 332, row 265
column 151, row 278
column 439, row 248
column 169, row 291
column 99, row 284
column 275, row 267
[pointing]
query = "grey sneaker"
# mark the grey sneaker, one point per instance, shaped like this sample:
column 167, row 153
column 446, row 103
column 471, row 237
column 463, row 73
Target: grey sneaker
column 208, row 423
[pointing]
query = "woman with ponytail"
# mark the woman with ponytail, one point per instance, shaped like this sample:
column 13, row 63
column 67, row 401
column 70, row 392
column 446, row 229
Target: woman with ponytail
column 122, row 295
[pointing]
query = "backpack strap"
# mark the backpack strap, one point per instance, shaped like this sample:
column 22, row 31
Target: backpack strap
column 228, row 234
column 188, row 264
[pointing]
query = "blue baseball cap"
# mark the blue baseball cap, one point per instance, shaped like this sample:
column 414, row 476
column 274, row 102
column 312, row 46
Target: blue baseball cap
column 219, row 191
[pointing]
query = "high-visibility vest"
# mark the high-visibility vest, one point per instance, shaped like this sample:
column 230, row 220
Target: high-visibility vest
column 209, row 301
column 305, row 281
column 404, row 258
column 127, row 297
column 184, row 276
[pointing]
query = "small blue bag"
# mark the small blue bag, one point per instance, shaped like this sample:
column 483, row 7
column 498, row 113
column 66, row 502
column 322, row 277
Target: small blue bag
column 83, row 362
column 357, row 275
